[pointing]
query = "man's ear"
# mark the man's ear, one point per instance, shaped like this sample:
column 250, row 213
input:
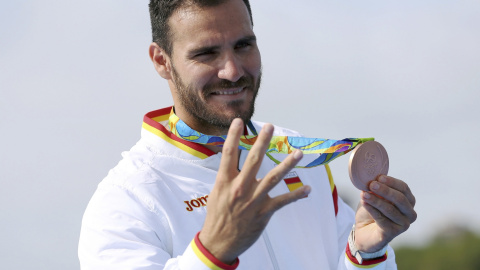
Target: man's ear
column 161, row 61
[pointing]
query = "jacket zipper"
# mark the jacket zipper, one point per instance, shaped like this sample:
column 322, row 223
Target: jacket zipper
column 270, row 250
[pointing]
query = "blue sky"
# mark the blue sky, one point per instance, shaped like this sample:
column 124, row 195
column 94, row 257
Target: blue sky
column 75, row 82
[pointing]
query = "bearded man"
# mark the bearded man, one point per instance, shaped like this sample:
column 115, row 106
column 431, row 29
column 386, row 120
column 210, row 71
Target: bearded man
column 181, row 203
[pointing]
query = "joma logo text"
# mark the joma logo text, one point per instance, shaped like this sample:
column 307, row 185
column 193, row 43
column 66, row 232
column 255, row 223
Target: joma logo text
column 196, row 203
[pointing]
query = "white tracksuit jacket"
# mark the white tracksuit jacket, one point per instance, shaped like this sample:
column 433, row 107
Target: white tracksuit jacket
column 146, row 213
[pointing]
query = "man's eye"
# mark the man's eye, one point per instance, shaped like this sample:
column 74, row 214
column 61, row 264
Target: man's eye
column 242, row 45
column 204, row 53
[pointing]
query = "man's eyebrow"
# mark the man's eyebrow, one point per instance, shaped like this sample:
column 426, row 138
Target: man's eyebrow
column 198, row 50
column 251, row 38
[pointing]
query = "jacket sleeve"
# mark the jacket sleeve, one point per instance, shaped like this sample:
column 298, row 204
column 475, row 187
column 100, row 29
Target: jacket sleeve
column 119, row 231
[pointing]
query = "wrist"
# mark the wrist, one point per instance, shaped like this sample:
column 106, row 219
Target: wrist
column 216, row 257
column 360, row 255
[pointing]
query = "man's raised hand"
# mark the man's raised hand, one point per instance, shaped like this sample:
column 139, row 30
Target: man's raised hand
column 239, row 206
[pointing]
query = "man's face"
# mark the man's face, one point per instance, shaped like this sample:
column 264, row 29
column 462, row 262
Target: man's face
column 216, row 66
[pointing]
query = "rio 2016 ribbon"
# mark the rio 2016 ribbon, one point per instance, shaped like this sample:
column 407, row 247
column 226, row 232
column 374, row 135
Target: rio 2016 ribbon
column 327, row 149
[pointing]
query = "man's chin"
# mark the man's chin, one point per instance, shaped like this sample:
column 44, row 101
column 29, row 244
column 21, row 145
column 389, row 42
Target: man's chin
column 225, row 118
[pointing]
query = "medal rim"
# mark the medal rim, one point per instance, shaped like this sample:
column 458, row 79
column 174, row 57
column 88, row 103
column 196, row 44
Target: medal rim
column 355, row 171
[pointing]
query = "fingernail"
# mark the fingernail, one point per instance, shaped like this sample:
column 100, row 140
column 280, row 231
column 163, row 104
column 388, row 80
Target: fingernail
column 297, row 154
column 382, row 179
column 268, row 128
column 307, row 190
column 375, row 185
column 366, row 195
column 237, row 122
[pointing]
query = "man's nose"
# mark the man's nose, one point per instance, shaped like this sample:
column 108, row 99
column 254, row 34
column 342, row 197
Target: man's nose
column 231, row 68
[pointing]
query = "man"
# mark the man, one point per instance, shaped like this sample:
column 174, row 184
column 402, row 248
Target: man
column 150, row 212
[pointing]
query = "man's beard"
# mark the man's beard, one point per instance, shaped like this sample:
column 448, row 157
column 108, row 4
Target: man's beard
column 211, row 118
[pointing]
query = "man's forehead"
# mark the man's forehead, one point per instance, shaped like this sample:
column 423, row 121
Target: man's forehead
column 189, row 12
column 184, row 12
column 190, row 20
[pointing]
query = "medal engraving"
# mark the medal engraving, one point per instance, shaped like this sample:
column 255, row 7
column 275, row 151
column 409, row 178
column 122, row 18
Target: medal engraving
column 370, row 163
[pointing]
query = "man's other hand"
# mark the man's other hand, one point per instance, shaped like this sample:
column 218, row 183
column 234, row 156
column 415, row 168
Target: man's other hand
column 383, row 213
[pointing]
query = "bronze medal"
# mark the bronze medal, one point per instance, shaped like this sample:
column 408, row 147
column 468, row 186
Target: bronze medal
column 367, row 161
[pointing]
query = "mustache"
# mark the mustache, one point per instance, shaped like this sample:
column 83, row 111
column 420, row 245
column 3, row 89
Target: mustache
column 244, row 81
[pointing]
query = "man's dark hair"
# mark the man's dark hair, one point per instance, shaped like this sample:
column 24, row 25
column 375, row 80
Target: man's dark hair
column 161, row 10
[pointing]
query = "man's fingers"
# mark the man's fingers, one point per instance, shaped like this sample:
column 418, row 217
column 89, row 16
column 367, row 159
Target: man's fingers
column 399, row 185
column 277, row 173
column 387, row 225
column 394, row 198
column 257, row 153
column 389, row 210
column 280, row 201
column 229, row 162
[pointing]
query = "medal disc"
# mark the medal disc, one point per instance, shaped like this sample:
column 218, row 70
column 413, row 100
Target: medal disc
column 367, row 161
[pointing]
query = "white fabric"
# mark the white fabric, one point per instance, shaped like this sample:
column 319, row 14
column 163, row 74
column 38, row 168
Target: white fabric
column 138, row 218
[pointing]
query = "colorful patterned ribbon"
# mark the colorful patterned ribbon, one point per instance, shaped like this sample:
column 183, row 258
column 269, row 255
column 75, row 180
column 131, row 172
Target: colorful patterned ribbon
column 327, row 149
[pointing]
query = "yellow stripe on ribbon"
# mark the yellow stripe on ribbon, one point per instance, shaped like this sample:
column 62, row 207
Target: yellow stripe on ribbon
column 174, row 142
